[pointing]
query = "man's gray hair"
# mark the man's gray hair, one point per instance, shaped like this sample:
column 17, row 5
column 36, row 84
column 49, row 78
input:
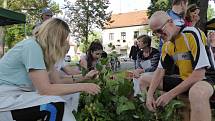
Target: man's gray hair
column 158, row 18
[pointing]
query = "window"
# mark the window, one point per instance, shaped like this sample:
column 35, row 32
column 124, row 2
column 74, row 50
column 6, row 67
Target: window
column 123, row 35
column 136, row 34
column 111, row 36
column 124, row 41
column 118, row 40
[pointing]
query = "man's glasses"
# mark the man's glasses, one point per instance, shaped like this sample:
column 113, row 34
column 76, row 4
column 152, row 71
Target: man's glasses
column 48, row 15
column 160, row 30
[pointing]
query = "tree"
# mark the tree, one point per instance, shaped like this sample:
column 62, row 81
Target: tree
column 158, row 5
column 203, row 4
column 210, row 13
column 85, row 15
column 94, row 36
column 32, row 9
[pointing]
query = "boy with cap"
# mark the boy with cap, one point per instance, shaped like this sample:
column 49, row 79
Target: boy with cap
column 46, row 14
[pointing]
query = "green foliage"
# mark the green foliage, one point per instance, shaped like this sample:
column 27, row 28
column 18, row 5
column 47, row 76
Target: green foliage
column 158, row 5
column 14, row 33
column 110, row 45
column 94, row 36
column 116, row 101
column 32, row 10
column 165, row 4
column 210, row 12
column 85, row 15
column 167, row 114
column 193, row 2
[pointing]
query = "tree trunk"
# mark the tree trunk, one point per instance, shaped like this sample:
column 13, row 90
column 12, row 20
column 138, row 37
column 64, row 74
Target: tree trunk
column 2, row 41
column 203, row 4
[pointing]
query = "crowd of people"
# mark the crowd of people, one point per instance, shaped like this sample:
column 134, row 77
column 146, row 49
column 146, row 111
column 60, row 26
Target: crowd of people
column 37, row 84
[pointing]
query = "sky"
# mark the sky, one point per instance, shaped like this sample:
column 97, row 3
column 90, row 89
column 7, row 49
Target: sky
column 121, row 6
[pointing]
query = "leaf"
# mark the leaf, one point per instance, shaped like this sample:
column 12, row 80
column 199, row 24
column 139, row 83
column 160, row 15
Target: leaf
column 173, row 105
column 125, row 87
column 104, row 61
column 124, row 105
column 99, row 67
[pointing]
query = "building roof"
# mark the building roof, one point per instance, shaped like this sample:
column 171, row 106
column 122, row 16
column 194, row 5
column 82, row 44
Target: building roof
column 120, row 20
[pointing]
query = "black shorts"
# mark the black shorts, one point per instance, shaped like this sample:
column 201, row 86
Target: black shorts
column 170, row 82
column 45, row 112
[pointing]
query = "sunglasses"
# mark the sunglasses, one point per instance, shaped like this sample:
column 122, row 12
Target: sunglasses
column 48, row 15
column 160, row 30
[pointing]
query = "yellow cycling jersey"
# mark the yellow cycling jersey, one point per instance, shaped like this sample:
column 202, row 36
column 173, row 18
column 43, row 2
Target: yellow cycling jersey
column 187, row 52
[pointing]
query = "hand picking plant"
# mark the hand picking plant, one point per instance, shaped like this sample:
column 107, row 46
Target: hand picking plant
column 116, row 101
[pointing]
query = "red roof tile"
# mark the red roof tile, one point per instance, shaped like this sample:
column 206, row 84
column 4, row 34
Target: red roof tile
column 128, row 19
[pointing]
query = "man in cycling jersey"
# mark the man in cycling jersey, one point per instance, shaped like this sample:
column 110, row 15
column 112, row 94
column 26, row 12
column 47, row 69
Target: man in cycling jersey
column 182, row 67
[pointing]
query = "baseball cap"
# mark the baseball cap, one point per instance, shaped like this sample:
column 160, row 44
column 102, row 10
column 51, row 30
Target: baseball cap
column 47, row 11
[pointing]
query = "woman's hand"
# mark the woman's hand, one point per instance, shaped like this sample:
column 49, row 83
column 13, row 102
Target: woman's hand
column 90, row 88
column 137, row 72
column 91, row 74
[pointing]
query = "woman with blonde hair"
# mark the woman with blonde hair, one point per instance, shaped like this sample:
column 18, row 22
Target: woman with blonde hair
column 26, row 91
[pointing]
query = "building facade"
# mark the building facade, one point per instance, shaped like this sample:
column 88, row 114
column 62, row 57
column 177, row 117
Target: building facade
column 123, row 29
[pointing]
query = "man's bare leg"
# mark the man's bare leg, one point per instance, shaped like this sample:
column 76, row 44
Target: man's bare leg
column 199, row 95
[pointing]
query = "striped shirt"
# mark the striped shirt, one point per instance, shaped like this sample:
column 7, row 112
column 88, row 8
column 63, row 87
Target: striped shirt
column 153, row 57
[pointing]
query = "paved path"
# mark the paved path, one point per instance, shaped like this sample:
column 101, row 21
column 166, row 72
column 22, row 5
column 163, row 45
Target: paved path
column 126, row 65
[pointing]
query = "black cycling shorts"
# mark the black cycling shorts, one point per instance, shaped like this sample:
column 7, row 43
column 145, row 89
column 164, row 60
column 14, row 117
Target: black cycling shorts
column 170, row 82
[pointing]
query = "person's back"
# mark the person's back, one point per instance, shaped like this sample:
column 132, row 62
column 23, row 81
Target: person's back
column 133, row 53
column 17, row 62
column 177, row 18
